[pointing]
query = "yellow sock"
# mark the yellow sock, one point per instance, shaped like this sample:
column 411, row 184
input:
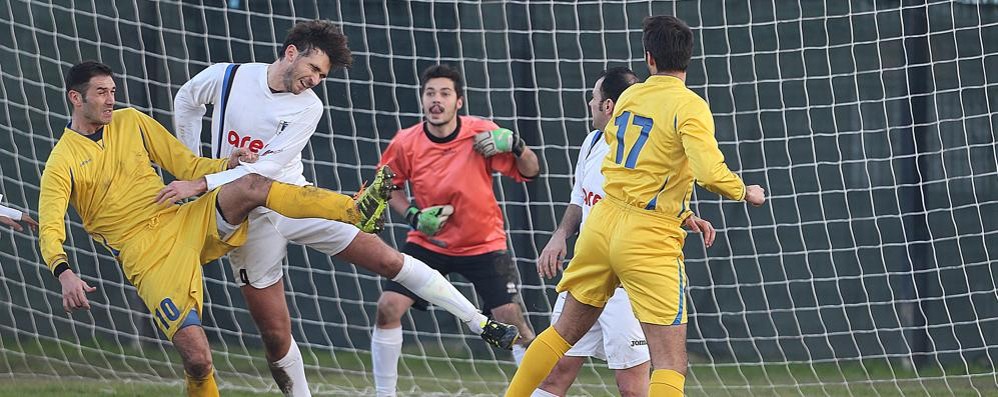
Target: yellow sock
column 666, row 383
column 311, row 202
column 205, row 387
column 543, row 353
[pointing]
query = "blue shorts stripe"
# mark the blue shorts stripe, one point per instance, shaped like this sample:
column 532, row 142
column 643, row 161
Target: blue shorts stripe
column 682, row 295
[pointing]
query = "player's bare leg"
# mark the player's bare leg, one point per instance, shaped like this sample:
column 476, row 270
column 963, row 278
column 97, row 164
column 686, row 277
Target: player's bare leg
column 192, row 344
column 270, row 313
column 562, row 375
column 511, row 313
column 667, row 347
column 633, row 381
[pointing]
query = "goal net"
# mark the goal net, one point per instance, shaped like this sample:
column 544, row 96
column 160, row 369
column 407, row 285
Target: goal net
column 870, row 270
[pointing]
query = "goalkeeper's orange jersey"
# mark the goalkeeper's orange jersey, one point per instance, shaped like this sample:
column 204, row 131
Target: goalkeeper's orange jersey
column 110, row 182
column 448, row 171
column 661, row 139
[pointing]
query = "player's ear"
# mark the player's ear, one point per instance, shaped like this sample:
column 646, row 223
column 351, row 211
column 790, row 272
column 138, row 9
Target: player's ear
column 460, row 102
column 608, row 106
column 291, row 52
column 75, row 97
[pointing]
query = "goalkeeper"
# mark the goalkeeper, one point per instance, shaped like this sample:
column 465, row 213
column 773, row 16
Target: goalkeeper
column 101, row 166
column 457, row 226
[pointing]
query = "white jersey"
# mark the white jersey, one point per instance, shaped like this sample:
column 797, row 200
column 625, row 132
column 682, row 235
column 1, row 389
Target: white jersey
column 247, row 114
column 588, row 187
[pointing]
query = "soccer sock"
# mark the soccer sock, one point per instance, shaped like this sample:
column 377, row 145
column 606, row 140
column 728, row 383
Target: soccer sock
column 386, row 347
column 543, row 353
column 518, row 352
column 429, row 284
column 666, row 383
column 289, row 373
column 542, row 393
column 203, row 387
column 311, row 202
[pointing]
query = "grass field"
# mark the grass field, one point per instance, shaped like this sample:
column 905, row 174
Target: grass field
column 61, row 369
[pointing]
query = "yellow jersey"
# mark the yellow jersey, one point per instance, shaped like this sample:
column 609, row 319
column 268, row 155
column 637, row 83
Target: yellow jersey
column 661, row 139
column 110, row 182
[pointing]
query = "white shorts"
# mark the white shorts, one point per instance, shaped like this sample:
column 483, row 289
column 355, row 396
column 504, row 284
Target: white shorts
column 260, row 261
column 615, row 338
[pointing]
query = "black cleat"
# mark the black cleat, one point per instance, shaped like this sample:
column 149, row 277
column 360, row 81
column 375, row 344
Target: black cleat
column 500, row 335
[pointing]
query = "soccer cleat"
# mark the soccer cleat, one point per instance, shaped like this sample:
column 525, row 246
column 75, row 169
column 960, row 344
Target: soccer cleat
column 500, row 335
column 372, row 201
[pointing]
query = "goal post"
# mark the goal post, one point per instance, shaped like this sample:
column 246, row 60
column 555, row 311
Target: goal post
column 872, row 126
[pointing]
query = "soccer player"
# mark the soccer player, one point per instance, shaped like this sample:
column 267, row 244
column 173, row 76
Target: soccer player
column 456, row 223
column 271, row 109
column 617, row 337
column 101, row 166
column 661, row 139
column 11, row 217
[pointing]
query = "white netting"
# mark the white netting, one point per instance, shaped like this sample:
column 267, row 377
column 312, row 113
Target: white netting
column 871, row 270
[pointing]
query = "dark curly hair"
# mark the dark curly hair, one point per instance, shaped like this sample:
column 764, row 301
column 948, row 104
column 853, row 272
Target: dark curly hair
column 322, row 35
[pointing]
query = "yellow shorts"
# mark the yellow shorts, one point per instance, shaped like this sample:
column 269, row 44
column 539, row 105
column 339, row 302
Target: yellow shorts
column 639, row 249
column 163, row 261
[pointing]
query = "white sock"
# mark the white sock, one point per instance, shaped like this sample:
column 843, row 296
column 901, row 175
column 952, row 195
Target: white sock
column 429, row 284
column 294, row 368
column 518, row 352
column 542, row 393
column 386, row 347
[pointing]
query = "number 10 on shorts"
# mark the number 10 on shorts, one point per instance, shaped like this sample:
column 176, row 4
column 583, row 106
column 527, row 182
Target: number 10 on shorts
column 167, row 312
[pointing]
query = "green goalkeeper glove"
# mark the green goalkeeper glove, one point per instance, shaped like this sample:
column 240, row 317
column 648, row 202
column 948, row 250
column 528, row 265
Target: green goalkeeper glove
column 429, row 220
column 491, row 143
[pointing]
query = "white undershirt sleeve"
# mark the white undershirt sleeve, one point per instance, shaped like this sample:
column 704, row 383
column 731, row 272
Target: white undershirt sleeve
column 9, row 212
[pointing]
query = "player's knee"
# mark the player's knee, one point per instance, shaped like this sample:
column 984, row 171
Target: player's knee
column 632, row 389
column 198, row 366
column 253, row 188
column 391, row 306
column 276, row 341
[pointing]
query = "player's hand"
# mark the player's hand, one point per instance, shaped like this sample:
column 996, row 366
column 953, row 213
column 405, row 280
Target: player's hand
column 429, row 220
column 502, row 140
column 242, row 155
column 16, row 226
column 700, row 225
column 755, row 195
column 549, row 263
column 74, row 292
column 179, row 190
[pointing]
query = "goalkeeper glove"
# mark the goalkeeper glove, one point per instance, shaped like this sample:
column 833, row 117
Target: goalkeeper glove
column 429, row 220
column 502, row 140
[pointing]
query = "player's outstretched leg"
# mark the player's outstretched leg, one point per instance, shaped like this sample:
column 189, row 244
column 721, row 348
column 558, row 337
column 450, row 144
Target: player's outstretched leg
column 239, row 197
column 369, row 252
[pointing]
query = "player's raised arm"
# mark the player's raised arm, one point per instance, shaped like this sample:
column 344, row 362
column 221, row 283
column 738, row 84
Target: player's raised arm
column 696, row 127
column 189, row 104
